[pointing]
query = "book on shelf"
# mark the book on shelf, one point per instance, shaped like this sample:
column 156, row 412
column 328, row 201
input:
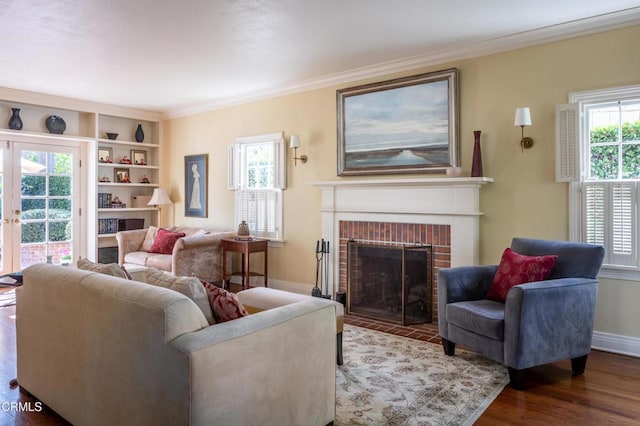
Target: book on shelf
column 108, row 226
column 104, row 200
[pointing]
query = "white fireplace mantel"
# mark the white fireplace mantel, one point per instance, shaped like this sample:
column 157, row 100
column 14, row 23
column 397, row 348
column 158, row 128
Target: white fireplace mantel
column 445, row 201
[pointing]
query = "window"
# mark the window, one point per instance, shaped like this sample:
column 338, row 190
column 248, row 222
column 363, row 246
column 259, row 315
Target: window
column 257, row 175
column 598, row 151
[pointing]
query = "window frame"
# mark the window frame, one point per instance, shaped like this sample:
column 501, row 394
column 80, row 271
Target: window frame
column 238, row 177
column 576, row 160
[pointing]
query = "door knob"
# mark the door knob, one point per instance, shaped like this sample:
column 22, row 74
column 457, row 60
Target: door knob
column 18, row 212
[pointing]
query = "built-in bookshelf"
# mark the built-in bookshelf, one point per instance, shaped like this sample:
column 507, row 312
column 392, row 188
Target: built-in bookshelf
column 129, row 175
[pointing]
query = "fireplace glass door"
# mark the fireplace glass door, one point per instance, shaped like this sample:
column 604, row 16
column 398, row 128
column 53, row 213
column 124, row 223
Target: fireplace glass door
column 390, row 283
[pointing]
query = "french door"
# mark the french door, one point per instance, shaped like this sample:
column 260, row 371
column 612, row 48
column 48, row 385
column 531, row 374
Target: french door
column 40, row 192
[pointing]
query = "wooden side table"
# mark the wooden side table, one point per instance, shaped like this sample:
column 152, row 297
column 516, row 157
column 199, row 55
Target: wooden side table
column 246, row 247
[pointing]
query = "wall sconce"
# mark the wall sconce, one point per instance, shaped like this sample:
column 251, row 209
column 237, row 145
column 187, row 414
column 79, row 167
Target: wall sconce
column 523, row 118
column 295, row 144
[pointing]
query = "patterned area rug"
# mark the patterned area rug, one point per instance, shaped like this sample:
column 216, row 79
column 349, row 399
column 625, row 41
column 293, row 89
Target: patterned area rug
column 392, row 380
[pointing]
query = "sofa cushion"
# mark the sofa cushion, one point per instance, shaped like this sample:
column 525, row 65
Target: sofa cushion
column 224, row 304
column 165, row 240
column 485, row 317
column 138, row 257
column 160, row 261
column 152, row 232
column 189, row 286
column 109, row 269
column 517, row 269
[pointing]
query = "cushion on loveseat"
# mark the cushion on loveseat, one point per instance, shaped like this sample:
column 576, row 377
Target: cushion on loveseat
column 189, row 286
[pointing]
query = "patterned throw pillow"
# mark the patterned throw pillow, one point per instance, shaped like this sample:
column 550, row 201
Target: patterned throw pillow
column 165, row 240
column 517, row 269
column 224, row 304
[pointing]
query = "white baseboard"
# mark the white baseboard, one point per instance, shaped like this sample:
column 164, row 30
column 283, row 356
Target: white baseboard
column 615, row 343
column 277, row 284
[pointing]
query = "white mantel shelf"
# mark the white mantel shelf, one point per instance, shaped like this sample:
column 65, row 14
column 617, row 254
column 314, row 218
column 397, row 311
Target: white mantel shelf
column 440, row 201
column 459, row 181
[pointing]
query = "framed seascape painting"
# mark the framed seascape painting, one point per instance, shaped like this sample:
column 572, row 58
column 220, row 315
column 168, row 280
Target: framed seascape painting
column 195, row 185
column 406, row 125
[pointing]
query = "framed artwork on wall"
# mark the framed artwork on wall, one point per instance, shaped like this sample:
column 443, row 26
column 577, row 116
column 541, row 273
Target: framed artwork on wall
column 405, row 125
column 195, row 185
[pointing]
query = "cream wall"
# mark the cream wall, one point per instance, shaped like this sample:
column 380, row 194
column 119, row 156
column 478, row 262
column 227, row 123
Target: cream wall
column 524, row 200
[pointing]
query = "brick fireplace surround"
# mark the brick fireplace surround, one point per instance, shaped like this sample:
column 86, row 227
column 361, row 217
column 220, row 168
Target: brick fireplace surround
column 400, row 234
column 444, row 212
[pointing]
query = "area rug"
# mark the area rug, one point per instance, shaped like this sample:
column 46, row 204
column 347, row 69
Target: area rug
column 393, row 380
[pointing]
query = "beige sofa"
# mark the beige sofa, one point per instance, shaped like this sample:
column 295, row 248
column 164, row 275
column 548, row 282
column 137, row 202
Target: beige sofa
column 199, row 252
column 101, row 350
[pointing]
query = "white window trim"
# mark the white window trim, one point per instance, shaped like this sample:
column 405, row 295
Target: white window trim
column 235, row 178
column 631, row 273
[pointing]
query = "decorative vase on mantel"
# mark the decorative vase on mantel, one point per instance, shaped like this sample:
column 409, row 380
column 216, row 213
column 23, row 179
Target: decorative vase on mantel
column 476, row 167
column 15, row 122
column 139, row 134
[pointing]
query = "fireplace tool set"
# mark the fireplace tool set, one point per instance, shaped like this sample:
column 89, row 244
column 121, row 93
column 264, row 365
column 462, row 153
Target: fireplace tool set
column 322, row 270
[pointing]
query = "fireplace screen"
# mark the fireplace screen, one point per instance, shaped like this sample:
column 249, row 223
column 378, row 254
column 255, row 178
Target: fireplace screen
column 390, row 283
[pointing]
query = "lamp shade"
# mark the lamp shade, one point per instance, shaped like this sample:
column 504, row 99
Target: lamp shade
column 294, row 142
column 523, row 117
column 159, row 198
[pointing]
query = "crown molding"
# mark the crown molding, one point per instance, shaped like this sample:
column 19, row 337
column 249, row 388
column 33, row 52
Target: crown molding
column 577, row 28
column 61, row 102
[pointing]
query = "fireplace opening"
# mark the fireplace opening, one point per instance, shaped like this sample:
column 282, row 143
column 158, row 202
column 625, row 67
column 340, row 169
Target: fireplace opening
column 390, row 283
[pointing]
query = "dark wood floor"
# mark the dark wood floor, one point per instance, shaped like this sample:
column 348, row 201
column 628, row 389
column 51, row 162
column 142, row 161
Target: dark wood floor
column 608, row 392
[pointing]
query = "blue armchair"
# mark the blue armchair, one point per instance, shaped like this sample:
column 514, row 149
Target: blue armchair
column 540, row 322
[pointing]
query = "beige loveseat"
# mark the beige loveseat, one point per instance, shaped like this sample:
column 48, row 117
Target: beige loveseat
column 199, row 252
column 101, row 350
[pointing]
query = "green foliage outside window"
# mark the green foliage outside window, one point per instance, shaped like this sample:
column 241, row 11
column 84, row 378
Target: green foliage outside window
column 604, row 157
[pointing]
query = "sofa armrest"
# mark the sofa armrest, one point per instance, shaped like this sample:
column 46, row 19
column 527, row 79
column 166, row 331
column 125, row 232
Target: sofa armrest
column 199, row 255
column 547, row 321
column 460, row 284
column 286, row 353
column 129, row 241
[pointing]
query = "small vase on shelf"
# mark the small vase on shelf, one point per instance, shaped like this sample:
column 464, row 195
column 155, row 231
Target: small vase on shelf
column 15, row 122
column 139, row 134
column 476, row 167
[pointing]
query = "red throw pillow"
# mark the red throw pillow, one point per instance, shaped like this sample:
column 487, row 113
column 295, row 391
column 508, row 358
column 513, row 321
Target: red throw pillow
column 517, row 269
column 224, row 304
column 165, row 240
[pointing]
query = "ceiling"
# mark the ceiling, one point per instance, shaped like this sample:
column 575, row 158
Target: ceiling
column 179, row 56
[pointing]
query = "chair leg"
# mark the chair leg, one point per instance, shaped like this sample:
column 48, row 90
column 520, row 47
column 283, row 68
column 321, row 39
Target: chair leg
column 578, row 365
column 516, row 378
column 449, row 347
column 339, row 360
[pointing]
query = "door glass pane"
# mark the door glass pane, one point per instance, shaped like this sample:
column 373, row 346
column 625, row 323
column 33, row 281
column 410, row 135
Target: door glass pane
column 46, row 179
column 60, row 185
column 33, row 185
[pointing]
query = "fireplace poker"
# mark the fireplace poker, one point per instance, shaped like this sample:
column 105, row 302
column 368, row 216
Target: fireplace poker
column 316, row 292
column 326, row 271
